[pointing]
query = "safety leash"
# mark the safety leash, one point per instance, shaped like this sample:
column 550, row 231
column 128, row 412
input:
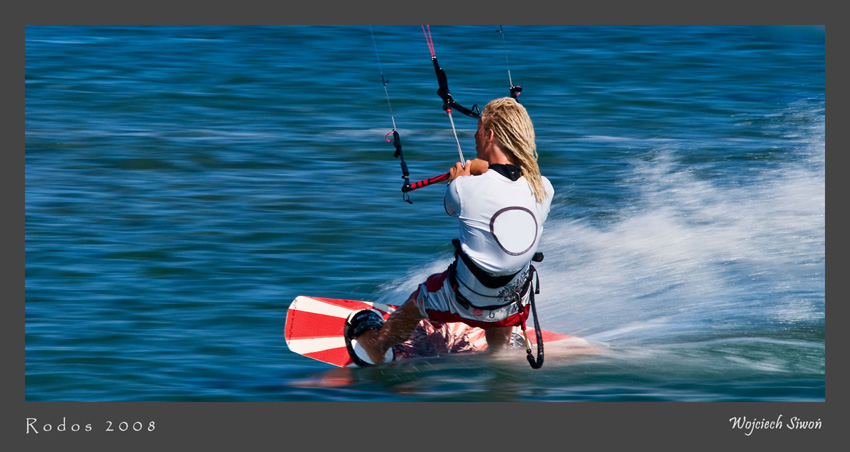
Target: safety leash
column 535, row 363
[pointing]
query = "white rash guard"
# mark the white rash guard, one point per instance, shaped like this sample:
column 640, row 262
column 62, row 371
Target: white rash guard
column 500, row 219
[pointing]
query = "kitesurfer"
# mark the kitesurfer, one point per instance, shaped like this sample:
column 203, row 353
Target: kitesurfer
column 501, row 201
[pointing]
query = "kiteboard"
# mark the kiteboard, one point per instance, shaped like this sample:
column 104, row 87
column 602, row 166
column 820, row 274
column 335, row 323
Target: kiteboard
column 314, row 328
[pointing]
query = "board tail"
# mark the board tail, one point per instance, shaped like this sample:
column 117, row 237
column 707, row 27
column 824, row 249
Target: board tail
column 314, row 327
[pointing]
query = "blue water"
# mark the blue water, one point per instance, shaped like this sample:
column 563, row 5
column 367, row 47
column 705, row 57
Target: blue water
column 184, row 184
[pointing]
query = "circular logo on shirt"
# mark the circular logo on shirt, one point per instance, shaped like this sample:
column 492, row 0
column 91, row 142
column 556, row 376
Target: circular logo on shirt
column 515, row 230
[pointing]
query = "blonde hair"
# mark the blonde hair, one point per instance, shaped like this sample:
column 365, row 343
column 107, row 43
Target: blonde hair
column 512, row 127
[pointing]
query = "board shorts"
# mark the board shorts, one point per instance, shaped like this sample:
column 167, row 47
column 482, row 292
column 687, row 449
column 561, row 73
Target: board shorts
column 437, row 301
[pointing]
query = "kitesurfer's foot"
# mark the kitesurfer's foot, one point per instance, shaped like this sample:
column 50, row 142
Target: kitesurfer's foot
column 364, row 325
column 517, row 341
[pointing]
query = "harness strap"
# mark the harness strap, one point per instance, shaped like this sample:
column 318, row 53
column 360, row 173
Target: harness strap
column 493, row 282
column 466, row 303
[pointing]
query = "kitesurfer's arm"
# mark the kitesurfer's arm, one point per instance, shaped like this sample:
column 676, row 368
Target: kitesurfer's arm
column 475, row 167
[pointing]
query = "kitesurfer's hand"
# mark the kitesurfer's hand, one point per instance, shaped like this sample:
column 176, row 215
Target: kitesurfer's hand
column 475, row 167
column 478, row 167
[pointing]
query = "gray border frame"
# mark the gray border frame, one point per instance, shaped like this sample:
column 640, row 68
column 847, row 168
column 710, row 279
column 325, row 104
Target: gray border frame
column 226, row 426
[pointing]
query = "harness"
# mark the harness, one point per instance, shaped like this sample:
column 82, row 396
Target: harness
column 515, row 295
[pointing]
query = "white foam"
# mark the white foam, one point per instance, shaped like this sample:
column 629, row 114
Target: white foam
column 692, row 252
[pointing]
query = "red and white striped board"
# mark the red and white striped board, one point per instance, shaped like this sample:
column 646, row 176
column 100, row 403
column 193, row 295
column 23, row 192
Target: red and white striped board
column 314, row 328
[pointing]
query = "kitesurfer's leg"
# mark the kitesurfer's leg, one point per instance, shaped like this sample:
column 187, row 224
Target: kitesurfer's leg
column 397, row 329
column 498, row 338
